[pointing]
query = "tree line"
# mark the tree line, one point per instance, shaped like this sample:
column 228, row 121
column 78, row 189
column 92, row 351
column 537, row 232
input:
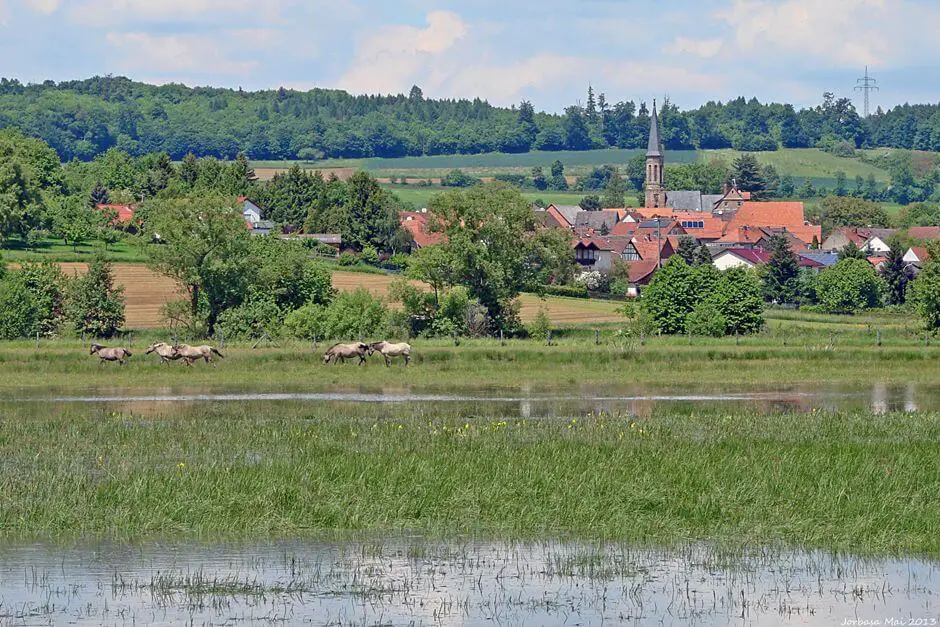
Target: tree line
column 84, row 118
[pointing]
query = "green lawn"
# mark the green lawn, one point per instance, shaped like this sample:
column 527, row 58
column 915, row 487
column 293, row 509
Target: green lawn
column 50, row 249
column 808, row 163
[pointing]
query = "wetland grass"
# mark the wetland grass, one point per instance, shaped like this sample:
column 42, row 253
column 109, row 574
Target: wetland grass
column 853, row 482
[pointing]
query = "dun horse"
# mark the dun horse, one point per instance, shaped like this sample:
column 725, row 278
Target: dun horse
column 391, row 350
column 341, row 352
column 120, row 355
column 165, row 352
column 195, row 353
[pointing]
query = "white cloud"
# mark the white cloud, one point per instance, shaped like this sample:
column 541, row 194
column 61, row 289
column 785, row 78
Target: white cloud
column 847, row 33
column 175, row 54
column 387, row 60
column 44, row 6
column 705, row 48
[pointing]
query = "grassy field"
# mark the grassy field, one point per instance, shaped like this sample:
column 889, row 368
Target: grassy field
column 53, row 249
column 811, row 163
column 845, row 482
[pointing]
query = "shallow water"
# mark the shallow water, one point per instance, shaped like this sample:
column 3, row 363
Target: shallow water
column 413, row 581
column 523, row 402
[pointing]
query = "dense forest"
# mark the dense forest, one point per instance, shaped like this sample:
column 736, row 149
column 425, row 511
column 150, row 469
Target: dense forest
column 82, row 119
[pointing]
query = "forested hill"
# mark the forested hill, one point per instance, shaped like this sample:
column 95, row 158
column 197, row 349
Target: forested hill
column 81, row 119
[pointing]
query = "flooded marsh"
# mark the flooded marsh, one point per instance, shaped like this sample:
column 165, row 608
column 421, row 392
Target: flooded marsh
column 418, row 581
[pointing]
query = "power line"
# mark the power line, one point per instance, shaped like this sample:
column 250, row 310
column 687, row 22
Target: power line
column 866, row 85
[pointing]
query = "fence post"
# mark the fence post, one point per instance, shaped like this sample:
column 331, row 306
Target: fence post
column 597, row 337
column 642, row 338
column 37, row 339
column 221, row 338
column 879, row 337
column 737, row 339
column 549, row 337
column 502, row 341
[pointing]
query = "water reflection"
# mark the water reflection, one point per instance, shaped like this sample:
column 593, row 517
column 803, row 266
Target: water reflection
column 529, row 403
column 412, row 581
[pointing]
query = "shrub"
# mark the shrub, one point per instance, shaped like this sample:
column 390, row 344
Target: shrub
column 347, row 258
column 924, row 293
column 707, row 319
column 369, row 255
column 590, row 280
column 538, row 329
column 253, row 318
column 18, row 311
column 849, row 286
column 97, row 306
column 737, row 296
column 458, row 178
column 619, row 288
column 452, row 312
column 571, row 291
column 351, row 315
column 49, row 287
column 305, row 323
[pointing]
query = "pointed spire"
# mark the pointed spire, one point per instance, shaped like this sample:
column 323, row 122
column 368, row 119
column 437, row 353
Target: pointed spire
column 655, row 148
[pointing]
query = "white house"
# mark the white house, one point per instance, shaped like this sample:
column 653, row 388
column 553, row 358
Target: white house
column 251, row 212
column 740, row 258
column 916, row 256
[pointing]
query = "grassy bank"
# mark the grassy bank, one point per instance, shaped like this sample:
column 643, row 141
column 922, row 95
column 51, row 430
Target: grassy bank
column 783, row 358
column 846, row 482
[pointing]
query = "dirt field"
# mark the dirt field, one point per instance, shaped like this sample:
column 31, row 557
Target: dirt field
column 147, row 291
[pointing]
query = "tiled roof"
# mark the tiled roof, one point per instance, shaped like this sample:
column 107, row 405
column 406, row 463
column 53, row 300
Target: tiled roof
column 640, row 271
column 777, row 214
column 922, row 253
column 595, row 219
column 123, row 213
column 568, row 212
column 416, row 223
column 924, row 232
column 824, row 259
column 756, row 256
column 684, row 200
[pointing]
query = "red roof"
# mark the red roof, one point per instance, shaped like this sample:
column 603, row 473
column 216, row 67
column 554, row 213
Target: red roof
column 876, row 261
column 123, row 213
column 641, row 271
column 777, row 214
column 756, row 256
column 924, row 232
column 922, row 253
column 416, row 223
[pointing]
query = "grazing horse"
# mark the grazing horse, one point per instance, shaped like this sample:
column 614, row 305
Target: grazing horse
column 391, row 350
column 195, row 353
column 341, row 352
column 119, row 355
column 164, row 351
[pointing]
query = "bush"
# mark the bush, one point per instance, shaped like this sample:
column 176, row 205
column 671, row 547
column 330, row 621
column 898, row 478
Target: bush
column 97, row 306
column 18, row 310
column 590, row 280
column 369, row 255
column 737, row 295
column 458, row 178
column 924, row 294
column 707, row 319
column 347, row 258
column 49, row 287
column 252, row 319
column 571, row 291
column 538, row 329
column 849, row 286
column 619, row 288
column 351, row 315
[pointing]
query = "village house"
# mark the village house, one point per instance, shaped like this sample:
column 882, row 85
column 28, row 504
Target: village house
column 416, row 223
column 871, row 241
column 124, row 216
column 753, row 257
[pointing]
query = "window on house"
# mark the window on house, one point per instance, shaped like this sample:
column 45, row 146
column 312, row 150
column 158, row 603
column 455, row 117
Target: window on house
column 630, row 254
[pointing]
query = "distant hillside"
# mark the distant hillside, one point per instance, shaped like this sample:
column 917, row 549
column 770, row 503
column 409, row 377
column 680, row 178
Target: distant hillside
column 82, row 119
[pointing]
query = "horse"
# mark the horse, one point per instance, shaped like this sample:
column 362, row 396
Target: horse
column 391, row 350
column 195, row 353
column 164, row 351
column 119, row 355
column 341, row 352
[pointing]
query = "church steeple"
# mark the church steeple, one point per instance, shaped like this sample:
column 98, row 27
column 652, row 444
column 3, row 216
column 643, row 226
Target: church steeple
column 655, row 160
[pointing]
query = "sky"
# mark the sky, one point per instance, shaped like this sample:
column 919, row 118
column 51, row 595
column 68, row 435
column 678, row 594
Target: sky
column 506, row 51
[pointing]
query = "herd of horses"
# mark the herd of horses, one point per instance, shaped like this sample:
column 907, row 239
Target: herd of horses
column 338, row 353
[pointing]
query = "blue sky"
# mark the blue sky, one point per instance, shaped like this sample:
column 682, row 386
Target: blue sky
column 546, row 51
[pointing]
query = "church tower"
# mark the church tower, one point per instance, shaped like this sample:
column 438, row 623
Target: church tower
column 655, row 159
